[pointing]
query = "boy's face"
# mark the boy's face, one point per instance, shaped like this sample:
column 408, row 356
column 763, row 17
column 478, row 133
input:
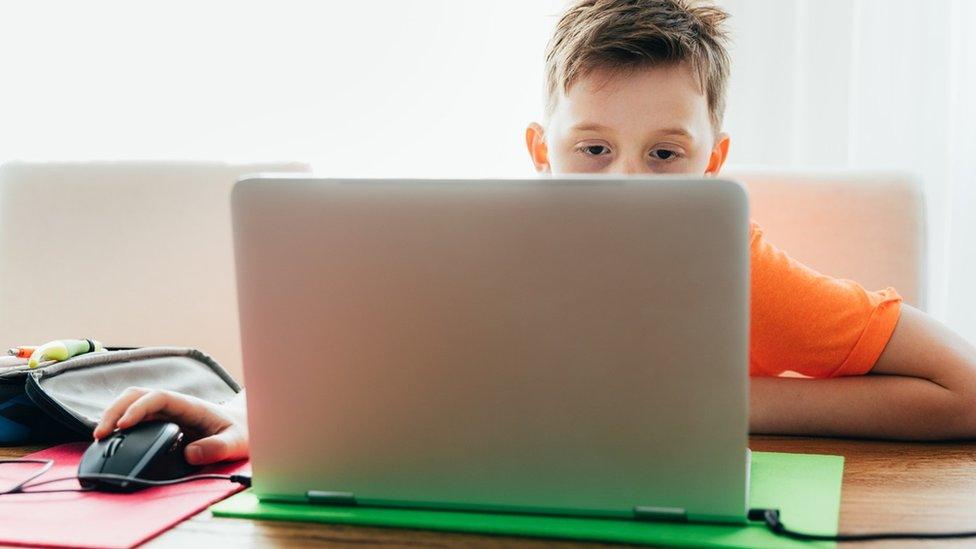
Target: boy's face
column 643, row 121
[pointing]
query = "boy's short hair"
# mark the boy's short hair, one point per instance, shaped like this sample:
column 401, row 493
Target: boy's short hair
column 630, row 34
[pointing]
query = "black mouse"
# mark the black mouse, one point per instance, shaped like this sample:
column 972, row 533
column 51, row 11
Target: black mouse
column 150, row 450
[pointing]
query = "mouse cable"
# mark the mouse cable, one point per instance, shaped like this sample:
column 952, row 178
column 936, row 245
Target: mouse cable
column 21, row 487
column 771, row 518
column 47, row 464
column 243, row 480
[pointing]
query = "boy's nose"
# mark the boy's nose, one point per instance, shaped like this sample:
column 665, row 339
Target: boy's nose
column 632, row 167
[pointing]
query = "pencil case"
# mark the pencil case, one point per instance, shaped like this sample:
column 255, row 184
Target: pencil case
column 63, row 401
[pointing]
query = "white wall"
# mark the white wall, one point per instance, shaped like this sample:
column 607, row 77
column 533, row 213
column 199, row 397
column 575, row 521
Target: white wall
column 385, row 87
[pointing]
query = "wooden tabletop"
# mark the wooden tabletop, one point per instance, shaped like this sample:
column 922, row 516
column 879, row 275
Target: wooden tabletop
column 887, row 486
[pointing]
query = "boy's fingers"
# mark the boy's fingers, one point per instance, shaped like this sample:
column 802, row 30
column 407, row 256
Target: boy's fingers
column 138, row 404
column 116, row 409
column 225, row 445
column 162, row 403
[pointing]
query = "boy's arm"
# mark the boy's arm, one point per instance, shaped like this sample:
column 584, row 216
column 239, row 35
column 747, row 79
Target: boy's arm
column 923, row 386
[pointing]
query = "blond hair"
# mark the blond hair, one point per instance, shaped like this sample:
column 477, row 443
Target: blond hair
column 629, row 34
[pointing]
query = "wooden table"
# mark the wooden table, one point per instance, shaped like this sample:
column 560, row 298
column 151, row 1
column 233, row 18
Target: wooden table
column 887, row 486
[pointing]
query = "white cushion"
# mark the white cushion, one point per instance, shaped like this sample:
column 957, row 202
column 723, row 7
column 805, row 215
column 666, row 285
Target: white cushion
column 865, row 226
column 131, row 253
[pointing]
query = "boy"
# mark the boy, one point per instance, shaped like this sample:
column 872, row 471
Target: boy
column 638, row 87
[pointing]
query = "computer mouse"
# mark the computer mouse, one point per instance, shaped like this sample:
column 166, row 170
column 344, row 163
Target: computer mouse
column 149, row 450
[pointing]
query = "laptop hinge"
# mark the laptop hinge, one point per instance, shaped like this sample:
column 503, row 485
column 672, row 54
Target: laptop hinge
column 674, row 514
column 330, row 498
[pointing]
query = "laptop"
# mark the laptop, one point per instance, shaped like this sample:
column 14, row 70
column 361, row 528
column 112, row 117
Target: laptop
column 571, row 346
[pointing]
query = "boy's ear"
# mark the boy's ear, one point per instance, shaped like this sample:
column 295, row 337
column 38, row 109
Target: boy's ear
column 719, row 153
column 536, row 143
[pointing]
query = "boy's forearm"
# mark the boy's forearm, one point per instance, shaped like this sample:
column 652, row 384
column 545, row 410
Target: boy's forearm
column 874, row 406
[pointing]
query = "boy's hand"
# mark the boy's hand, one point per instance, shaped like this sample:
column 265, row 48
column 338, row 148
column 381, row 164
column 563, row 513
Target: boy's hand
column 221, row 429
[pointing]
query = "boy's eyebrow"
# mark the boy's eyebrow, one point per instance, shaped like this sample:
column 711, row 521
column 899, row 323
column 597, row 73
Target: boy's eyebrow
column 593, row 126
column 589, row 126
column 676, row 131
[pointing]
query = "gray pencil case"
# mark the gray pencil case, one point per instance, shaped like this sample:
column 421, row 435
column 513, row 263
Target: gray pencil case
column 70, row 396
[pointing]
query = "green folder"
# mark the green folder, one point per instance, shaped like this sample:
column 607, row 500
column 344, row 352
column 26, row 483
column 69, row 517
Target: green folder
column 805, row 488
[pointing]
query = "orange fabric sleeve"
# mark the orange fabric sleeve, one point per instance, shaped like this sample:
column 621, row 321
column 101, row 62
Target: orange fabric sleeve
column 812, row 324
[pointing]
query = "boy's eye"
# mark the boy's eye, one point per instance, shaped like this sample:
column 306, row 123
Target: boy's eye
column 594, row 150
column 664, row 154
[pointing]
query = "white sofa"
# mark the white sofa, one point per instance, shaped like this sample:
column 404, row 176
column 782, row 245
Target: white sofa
column 132, row 253
column 864, row 225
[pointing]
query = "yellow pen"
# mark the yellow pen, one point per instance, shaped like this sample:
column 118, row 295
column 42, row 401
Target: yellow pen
column 63, row 349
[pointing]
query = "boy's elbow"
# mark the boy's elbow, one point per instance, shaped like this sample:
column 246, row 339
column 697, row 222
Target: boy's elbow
column 963, row 409
column 965, row 424
column 922, row 347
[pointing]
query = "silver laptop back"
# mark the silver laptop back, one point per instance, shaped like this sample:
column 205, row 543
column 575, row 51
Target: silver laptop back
column 568, row 346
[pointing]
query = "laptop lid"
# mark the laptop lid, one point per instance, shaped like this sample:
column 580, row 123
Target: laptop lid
column 568, row 346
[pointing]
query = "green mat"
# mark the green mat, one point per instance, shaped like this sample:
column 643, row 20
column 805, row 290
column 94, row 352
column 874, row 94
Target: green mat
column 805, row 488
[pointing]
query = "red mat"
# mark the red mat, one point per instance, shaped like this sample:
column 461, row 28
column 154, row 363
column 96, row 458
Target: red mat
column 96, row 519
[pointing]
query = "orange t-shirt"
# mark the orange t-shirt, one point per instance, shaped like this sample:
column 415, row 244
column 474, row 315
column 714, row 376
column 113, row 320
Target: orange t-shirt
column 813, row 324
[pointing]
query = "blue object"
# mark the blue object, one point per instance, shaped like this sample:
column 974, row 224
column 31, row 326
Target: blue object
column 16, row 413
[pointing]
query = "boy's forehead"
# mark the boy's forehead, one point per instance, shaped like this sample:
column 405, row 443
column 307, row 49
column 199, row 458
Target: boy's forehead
column 644, row 99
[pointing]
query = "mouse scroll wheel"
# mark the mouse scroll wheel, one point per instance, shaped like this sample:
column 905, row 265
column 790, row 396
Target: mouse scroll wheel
column 177, row 442
column 112, row 447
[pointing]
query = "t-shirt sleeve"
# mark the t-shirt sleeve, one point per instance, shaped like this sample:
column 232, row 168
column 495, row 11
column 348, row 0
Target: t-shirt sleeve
column 812, row 324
